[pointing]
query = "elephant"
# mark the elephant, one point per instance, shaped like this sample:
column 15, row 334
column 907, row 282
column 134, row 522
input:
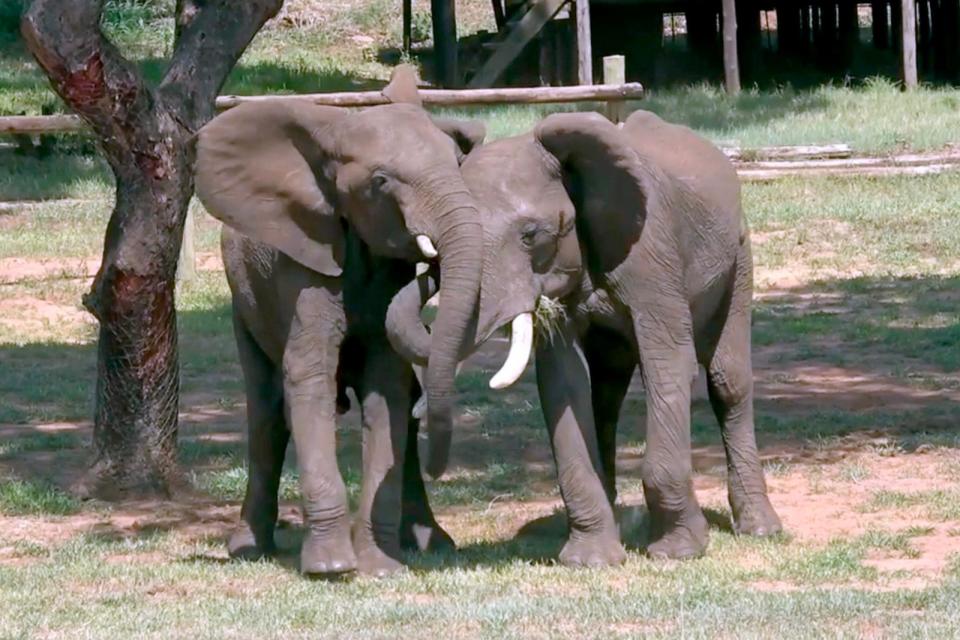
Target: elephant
column 326, row 212
column 637, row 232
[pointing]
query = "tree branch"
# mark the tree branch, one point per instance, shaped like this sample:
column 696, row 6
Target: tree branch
column 210, row 37
column 86, row 70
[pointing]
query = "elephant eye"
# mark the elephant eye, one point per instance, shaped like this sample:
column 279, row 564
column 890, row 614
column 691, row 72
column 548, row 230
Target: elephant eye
column 379, row 180
column 529, row 235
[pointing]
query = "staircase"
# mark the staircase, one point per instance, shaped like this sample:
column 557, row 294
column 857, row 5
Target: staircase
column 517, row 31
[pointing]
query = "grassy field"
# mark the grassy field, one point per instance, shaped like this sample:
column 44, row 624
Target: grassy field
column 856, row 352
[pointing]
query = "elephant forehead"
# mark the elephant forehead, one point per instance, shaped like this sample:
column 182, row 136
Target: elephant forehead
column 511, row 176
column 403, row 137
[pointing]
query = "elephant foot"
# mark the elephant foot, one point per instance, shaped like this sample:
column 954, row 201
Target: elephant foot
column 593, row 551
column 685, row 539
column 373, row 561
column 327, row 557
column 426, row 536
column 243, row 544
column 757, row 518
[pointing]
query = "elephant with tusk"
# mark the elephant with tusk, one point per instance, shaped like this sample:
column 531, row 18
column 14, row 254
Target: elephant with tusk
column 326, row 212
column 637, row 233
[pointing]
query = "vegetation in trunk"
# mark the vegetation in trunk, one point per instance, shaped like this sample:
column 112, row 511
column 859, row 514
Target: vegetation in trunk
column 146, row 136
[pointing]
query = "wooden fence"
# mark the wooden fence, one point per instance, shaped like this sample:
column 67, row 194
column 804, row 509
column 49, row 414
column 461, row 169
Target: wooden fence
column 612, row 94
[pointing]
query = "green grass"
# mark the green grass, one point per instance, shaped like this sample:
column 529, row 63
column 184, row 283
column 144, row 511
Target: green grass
column 937, row 504
column 21, row 497
column 190, row 593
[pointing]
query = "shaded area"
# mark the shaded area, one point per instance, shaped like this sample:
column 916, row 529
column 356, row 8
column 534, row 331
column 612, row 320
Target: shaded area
column 841, row 365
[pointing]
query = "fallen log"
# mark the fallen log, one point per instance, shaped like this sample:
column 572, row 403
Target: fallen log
column 798, row 152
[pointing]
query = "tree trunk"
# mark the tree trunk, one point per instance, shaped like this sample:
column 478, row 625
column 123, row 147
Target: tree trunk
column 135, row 425
column 146, row 135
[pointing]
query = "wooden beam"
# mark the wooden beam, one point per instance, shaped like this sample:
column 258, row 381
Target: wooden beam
column 517, row 38
column 908, row 44
column 41, row 124
column 584, row 43
column 731, row 64
column 438, row 97
column 444, row 17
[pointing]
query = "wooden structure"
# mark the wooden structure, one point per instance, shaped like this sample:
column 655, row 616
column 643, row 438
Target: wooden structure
column 557, row 42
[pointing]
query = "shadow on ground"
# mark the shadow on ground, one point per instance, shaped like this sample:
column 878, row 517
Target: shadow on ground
column 840, row 365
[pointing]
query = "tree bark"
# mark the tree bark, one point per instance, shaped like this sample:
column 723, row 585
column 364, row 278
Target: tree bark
column 146, row 135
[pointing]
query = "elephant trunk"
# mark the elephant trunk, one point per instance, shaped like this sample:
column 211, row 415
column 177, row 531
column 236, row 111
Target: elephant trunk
column 405, row 330
column 460, row 247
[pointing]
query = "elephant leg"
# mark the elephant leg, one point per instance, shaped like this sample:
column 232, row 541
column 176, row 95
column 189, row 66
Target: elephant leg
column 678, row 528
column 310, row 396
column 611, row 362
column 419, row 529
column 385, row 408
column 266, row 445
column 730, row 385
column 563, row 381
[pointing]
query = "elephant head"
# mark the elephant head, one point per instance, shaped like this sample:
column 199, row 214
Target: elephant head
column 294, row 175
column 562, row 204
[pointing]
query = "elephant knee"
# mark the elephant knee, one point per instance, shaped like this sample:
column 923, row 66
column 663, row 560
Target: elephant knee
column 667, row 482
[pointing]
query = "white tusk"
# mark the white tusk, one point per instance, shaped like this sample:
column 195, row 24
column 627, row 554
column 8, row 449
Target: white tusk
column 426, row 247
column 521, row 343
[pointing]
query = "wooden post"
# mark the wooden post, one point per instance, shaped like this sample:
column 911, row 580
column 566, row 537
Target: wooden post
column 849, row 24
column 908, row 44
column 584, row 44
column 498, row 16
column 407, row 24
column 896, row 25
column 924, row 48
column 805, row 28
column 731, row 64
column 880, row 25
column 444, row 17
column 614, row 72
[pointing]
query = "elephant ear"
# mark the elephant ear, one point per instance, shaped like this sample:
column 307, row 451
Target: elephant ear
column 608, row 183
column 260, row 169
column 467, row 134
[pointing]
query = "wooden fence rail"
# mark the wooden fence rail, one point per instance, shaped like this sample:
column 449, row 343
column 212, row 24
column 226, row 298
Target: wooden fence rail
column 435, row 97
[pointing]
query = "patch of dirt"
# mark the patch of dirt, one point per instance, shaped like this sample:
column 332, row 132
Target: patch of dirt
column 29, row 314
column 17, row 270
column 14, row 270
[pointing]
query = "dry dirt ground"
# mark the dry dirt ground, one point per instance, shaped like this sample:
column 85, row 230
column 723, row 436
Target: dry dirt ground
column 868, row 480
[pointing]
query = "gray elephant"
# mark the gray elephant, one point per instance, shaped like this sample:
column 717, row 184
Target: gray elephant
column 638, row 232
column 327, row 211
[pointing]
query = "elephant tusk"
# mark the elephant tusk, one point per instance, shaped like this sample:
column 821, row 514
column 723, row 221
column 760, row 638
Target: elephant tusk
column 521, row 343
column 426, row 247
